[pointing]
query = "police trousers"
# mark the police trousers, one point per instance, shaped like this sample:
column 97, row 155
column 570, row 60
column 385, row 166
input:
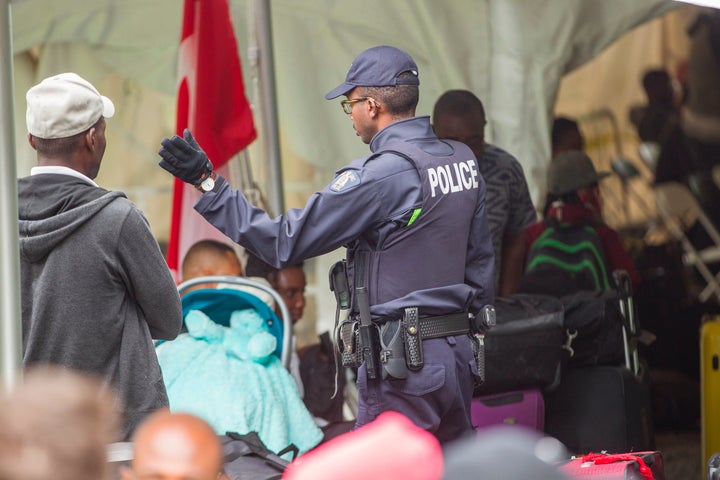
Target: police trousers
column 436, row 398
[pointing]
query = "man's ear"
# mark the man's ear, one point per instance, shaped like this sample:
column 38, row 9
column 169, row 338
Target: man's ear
column 31, row 141
column 90, row 138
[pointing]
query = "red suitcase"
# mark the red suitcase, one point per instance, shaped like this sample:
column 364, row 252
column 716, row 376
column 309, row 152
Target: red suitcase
column 520, row 407
column 624, row 466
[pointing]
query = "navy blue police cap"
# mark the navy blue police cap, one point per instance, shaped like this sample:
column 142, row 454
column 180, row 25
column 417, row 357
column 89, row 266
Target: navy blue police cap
column 378, row 67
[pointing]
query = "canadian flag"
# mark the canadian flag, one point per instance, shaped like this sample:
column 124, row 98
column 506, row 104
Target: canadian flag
column 211, row 102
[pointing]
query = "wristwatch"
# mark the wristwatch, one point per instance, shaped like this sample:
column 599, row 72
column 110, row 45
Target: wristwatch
column 208, row 184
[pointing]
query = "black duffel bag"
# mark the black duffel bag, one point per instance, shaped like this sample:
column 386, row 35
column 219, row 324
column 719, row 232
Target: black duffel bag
column 525, row 348
column 594, row 324
column 245, row 457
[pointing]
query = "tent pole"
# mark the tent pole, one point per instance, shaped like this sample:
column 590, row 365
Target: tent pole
column 268, row 105
column 10, row 320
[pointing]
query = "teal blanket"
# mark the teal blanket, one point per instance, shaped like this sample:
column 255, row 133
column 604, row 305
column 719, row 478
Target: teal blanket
column 231, row 378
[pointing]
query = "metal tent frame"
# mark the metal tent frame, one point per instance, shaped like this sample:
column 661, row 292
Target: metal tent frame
column 10, row 322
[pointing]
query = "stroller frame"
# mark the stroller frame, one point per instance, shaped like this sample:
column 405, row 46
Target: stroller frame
column 241, row 281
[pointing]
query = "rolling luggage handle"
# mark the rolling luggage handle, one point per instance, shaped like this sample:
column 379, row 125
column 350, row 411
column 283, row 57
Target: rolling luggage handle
column 630, row 327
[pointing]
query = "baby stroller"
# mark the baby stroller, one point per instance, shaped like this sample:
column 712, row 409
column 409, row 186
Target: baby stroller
column 219, row 303
column 278, row 415
column 223, row 368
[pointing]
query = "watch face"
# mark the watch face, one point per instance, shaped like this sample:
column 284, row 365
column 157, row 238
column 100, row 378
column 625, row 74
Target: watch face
column 207, row 184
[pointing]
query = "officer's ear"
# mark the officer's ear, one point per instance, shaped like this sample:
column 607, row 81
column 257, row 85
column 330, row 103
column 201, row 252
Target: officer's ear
column 374, row 105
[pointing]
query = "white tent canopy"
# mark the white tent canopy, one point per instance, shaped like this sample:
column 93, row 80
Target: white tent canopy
column 511, row 53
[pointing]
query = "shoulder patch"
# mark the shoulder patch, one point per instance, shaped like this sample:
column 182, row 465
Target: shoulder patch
column 345, row 181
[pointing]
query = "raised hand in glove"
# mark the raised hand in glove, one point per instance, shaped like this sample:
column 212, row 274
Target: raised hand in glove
column 184, row 158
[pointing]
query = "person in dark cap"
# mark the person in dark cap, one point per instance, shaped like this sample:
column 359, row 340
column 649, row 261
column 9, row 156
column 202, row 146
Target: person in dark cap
column 506, row 452
column 412, row 215
column 95, row 288
column 573, row 198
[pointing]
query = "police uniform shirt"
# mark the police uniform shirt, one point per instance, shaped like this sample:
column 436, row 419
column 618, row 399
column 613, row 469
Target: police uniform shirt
column 364, row 199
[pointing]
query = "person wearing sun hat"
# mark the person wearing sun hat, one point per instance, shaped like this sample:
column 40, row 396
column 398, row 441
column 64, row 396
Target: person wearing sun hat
column 571, row 171
column 574, row 198
column 95, row 288
column 412, row 216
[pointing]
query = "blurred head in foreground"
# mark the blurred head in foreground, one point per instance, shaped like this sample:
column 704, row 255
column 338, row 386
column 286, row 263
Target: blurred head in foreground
column 389, row 447
column 507, row 452
column 57, row 424
column 172, row 446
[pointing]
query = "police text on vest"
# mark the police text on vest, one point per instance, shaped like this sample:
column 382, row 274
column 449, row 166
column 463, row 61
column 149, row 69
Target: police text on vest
column 452, row 178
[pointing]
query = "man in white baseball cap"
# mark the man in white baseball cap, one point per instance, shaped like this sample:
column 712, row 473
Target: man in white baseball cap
column 64, row 105
column 59, row 109
column 95, row 287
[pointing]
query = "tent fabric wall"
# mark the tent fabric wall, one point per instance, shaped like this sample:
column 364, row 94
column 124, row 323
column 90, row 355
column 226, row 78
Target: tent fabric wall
column 511, row 53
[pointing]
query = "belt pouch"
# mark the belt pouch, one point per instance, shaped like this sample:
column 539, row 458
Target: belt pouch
column 478, row 343
column 349, row 342
column 413, row 339
column 392, row 350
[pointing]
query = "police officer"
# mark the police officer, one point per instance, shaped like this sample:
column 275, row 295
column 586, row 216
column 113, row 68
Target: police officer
column 412, row 216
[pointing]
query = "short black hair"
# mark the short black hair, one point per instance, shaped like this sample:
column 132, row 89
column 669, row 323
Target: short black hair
column 458, row 102
column 399, row 100
column 561, row 126
column 272, row 275
column 254, row 267
column 654, row 78
column 657, row 84
column 58, row 147
column 257, row 268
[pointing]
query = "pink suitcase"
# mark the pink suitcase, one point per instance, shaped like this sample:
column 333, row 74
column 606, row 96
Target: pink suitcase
column 520, row 407
column 625, row 466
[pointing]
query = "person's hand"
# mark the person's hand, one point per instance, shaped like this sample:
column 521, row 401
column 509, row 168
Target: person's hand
column 184, row 158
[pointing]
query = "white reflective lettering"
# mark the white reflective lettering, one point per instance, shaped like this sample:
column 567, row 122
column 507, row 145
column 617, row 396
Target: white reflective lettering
column 443, row 180
column 465, row 176
column 433, row 178
column 456, row 186
column 473, row 173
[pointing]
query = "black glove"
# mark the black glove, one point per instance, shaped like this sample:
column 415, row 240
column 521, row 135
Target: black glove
column 185, row 159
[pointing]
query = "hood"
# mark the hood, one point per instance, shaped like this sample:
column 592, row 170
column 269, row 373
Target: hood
column 53, row 207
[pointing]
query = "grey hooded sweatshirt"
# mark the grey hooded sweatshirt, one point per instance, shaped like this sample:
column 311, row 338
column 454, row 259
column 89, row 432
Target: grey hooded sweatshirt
column 95, row 288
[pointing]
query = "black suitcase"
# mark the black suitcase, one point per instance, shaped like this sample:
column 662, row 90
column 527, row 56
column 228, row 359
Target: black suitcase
column 525, row 347
column 607, row 407
column 601, row 408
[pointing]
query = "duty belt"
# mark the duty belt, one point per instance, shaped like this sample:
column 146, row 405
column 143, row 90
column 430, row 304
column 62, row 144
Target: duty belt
column 419, row 329
column 444, row 325
column 403, row 341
